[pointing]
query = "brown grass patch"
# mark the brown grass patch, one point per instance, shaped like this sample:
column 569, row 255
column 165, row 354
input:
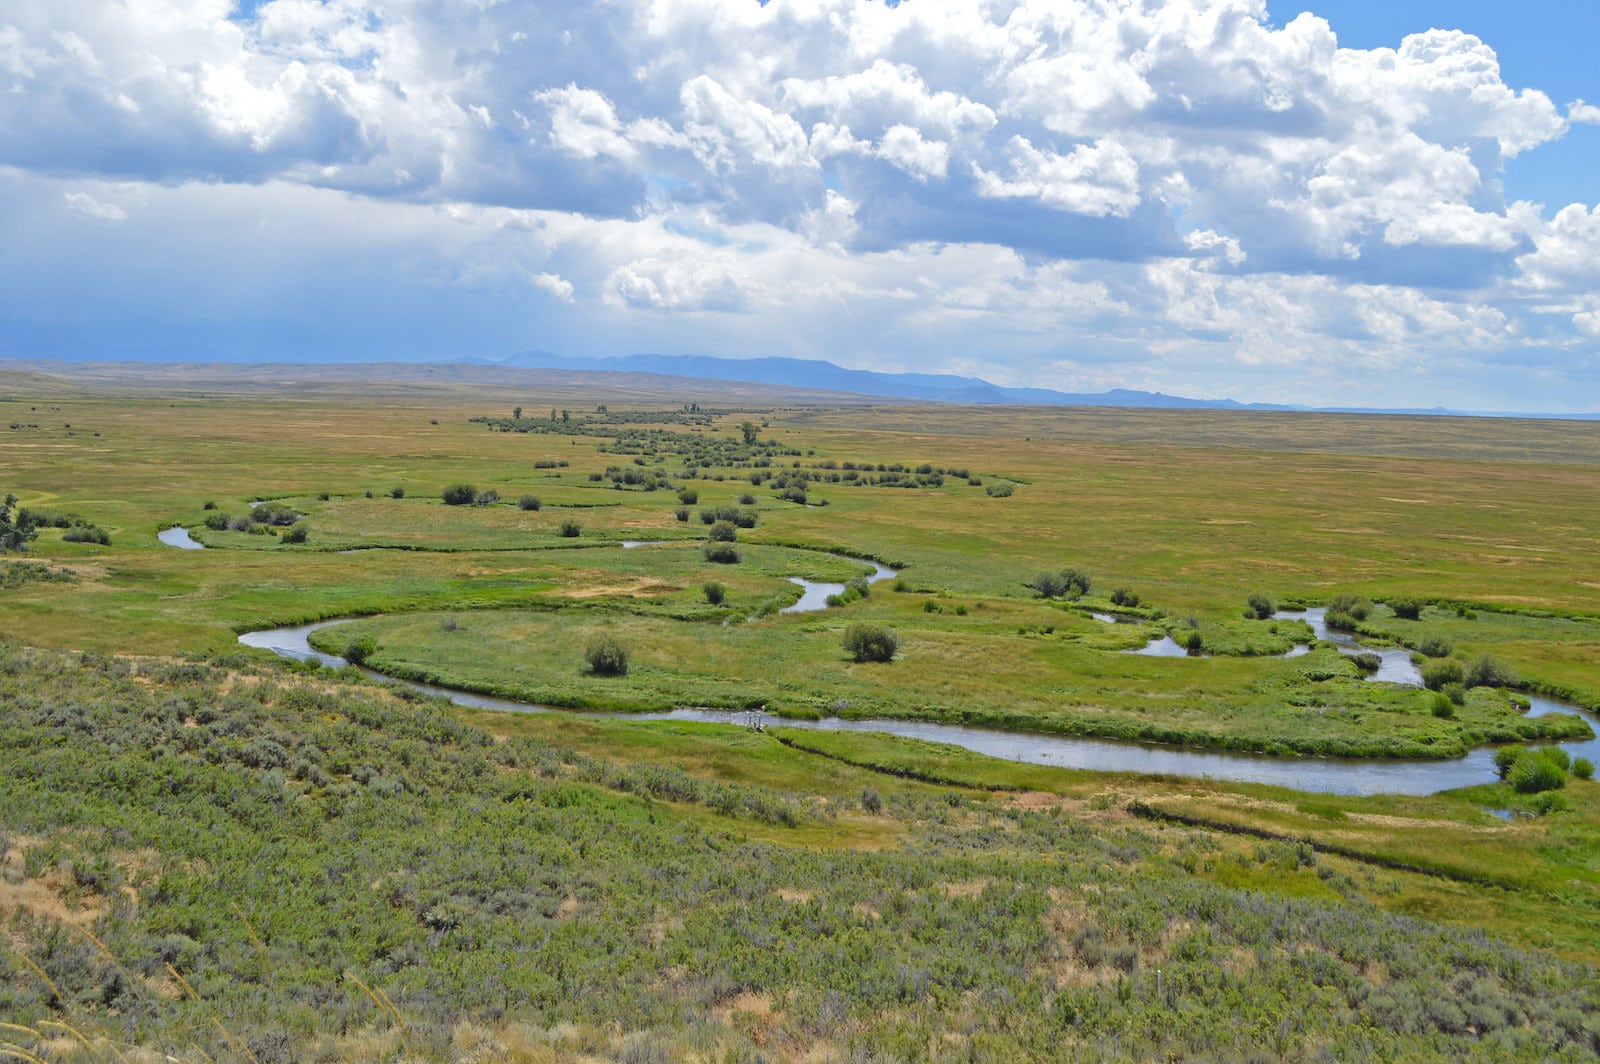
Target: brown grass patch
column 963, row 890
column 799, row 897
column 641, row 588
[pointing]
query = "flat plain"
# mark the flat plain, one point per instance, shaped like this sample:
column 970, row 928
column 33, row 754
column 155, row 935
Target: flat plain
column 886, row 858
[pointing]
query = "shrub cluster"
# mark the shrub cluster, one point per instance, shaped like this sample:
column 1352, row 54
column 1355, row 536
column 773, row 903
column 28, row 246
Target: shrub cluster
column 1056, row 583
column 1406, row 608
column 870, row 642
column 1531, row 770
column 606, row 655
column 740, row 518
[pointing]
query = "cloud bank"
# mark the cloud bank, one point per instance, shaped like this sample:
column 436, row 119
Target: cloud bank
column 1183, row 196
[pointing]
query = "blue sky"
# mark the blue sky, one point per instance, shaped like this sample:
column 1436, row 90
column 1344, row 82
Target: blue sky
column 1382, row 205
column 1545, row 45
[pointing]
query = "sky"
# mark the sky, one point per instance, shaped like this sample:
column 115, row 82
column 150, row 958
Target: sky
column 1325, row 202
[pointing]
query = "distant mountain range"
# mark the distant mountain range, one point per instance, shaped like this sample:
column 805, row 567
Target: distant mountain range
column 925, row 387
column 810, row 373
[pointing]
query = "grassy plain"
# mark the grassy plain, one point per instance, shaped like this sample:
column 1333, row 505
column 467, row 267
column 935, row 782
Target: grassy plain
column 566, row 888
column 1190, row 510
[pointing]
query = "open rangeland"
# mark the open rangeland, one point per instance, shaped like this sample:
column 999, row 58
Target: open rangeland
column 212, row 853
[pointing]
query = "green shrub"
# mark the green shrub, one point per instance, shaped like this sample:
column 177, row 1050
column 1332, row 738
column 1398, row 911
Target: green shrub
column 1261, row 606
column 998, row 491
column 1505, row 758
column 870, row 642
column 571, row 529
column 1367, row 661
column 87, row 534
column 529, row 502
column 358, row 650
column 1340, row 621
column 459, row 494
column 606, row 655
column 1441, row 706
column 724, row 532
column 486, row 497
column 275, row 513
column 1194, row 643
column 1406, row 608
column 1435, row 675
column 715, row 593
column 217, row 521
column 688, row 496
column 722, row 553
column 297, row 534
column 1435, row 647
column 1123, row 597
column 1352, row 605
column 1071, row 583
column 1534, row 772
column 1456, row 693
column 1583, row 768
column 682, row 513
column 1489, row 671
column 397, row 492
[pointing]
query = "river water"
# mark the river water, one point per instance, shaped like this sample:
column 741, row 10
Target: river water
column 1323, row 775
column 177, row 536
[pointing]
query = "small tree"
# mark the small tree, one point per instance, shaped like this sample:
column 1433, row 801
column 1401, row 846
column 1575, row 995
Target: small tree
column 606, row 655
column 16, row 531
column 750, row 431
column 870, row 642
column 516, row 414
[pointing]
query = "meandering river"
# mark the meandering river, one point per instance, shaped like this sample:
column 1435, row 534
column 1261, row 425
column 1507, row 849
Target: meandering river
column 1325, row 775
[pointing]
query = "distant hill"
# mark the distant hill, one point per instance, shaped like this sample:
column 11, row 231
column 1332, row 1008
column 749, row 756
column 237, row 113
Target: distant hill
column 923, row 387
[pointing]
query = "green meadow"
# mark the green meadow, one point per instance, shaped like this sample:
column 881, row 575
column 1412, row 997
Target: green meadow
column 209, row 853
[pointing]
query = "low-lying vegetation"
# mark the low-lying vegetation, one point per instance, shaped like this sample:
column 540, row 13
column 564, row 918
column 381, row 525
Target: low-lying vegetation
column 238, row 863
